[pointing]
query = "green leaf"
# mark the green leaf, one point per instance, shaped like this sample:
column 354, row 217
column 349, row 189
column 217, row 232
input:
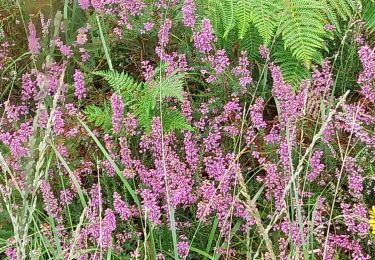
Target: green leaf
column 264, row 16
column 302, row 28
column 173, row 119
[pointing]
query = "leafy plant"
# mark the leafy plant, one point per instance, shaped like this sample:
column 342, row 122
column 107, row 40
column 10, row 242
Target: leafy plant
column 142, row 99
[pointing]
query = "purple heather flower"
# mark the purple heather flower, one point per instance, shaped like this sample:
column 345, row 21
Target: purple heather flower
column 50, row 202
column 120, row 207
column 117, row 112
column 203, row 39
column 34, row 45
column 189, row 13
column 264, row 52
column 79, row 83
column 256, row 114
column 84, row 4
column 367, row 76
column 316, row 166
column 183, row 247
column 58, row 121
column 150, row 206
column 242, row 70
column 164, row 33
column 147, row 70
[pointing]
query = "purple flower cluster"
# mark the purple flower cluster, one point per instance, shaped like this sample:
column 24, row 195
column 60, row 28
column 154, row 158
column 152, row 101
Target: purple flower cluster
column 79, row 83
column 366, row 77
column 189, row 13
column 117, row 112
column 34, row 45
column 242, row 70
column 204, row 39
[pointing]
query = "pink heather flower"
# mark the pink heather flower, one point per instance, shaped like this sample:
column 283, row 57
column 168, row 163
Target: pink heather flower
column 186, row 108
column 130, row 124
column 355, row 218
column 11, row 253
column 50, row 202
column 107, row 227
column 355, row 178
column 366, row 77
column 120, row 207
column 65, row 50
column 290, row 104
column 189, row 13
column 183, row 247
column 147, row 26
column 192, row 156
column 164, row 33
column 29, row 88
column 79, row 83
column 264, row 51
column 117, row 112
column 203, row 39
column 82, row 36
column 85, row 56
column 256, row 114
column 219, row 61
column 34, row 45
column 66, row 197
column 150, row 206
column 147, row 70
column 242, row 70
column 58, row 121
column 316, row 166
column 323, row 78
column 84, row 4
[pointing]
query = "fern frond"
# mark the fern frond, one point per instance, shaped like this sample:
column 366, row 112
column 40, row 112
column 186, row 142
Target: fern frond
column 225, row 11
column 336, row 10
column 251, row 43
column 119, row 81
column 302, row 28
column 264, row 16
column 293, row 70
column 243, row 17
column 368, row 15
column 173, row 119
column 100, row 116
column 168, row 86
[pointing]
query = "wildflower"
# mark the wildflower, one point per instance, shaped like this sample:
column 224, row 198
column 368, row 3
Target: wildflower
column 79, row 83
column 164, row 33
column 84, row 4
column 34, row 45
column 118, row 111
column 203, row 40
column 188, row 10
column 147, row 70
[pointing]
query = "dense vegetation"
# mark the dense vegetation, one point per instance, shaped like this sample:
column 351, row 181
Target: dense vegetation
column 187, row 129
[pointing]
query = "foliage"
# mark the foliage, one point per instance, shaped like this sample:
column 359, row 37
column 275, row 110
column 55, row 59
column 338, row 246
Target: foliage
column 195, row 129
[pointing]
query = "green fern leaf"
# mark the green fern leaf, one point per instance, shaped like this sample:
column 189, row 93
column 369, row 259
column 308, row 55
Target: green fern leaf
column 368, row 15
column 251, row 43
column 302, row 28
column 293, row 70
column 225, row 11
column 243, row 17
column 168, row 86
column 100, row 116
column 173, row 119
column 264, row 15
column 119, row 81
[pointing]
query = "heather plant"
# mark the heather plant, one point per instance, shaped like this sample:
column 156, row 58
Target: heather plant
column 136, row 129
